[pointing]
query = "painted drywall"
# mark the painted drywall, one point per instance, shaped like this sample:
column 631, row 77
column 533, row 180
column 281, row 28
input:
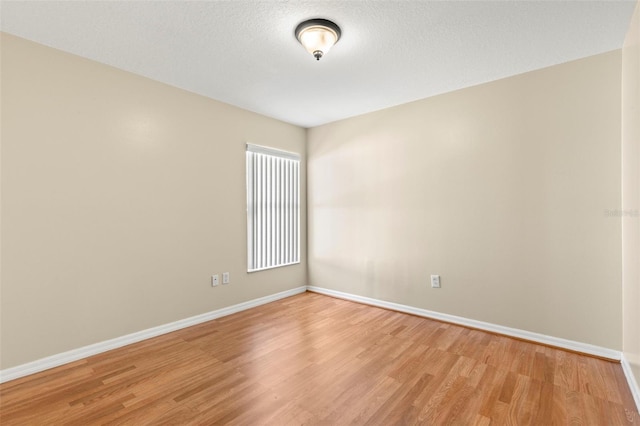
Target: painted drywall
column 504, row 190
column 120, row 197
column 631, row 194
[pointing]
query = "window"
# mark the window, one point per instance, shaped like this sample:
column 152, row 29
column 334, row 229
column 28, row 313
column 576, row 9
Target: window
column 273, row 208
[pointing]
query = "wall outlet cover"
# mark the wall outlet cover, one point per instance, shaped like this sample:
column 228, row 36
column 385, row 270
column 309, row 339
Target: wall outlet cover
column 435, row 281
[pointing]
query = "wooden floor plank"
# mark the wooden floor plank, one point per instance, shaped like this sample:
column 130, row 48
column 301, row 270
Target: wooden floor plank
column 313, row 359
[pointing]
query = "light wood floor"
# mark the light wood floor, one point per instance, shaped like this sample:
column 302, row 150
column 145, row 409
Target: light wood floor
column 312, row 359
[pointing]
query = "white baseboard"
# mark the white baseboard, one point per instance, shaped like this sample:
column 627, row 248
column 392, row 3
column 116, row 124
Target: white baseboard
column 631, row 380
column 97, row 348
column 494, row 328
column 86, row 351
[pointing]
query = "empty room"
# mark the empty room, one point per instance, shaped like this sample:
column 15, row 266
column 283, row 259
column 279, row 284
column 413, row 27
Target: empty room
column 320, row 212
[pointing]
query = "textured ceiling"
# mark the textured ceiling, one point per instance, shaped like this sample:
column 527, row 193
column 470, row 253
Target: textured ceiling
column 244, row 52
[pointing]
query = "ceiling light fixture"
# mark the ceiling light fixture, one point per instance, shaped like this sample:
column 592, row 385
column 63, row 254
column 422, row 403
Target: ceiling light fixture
column 317, row 36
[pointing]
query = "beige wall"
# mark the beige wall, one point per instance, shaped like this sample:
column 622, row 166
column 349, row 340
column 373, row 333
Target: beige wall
column 631, row 193
column 120, row 197
column 501, row 189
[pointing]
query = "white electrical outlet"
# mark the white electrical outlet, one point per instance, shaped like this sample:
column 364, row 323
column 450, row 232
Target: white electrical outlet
column 435, row 281
column 225, row 278
column 215, row 280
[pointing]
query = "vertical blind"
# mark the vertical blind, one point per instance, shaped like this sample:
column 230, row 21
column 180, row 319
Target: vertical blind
column 273, row 207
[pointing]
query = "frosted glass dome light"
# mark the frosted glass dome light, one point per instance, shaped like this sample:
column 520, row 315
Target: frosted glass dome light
column 317, row 36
